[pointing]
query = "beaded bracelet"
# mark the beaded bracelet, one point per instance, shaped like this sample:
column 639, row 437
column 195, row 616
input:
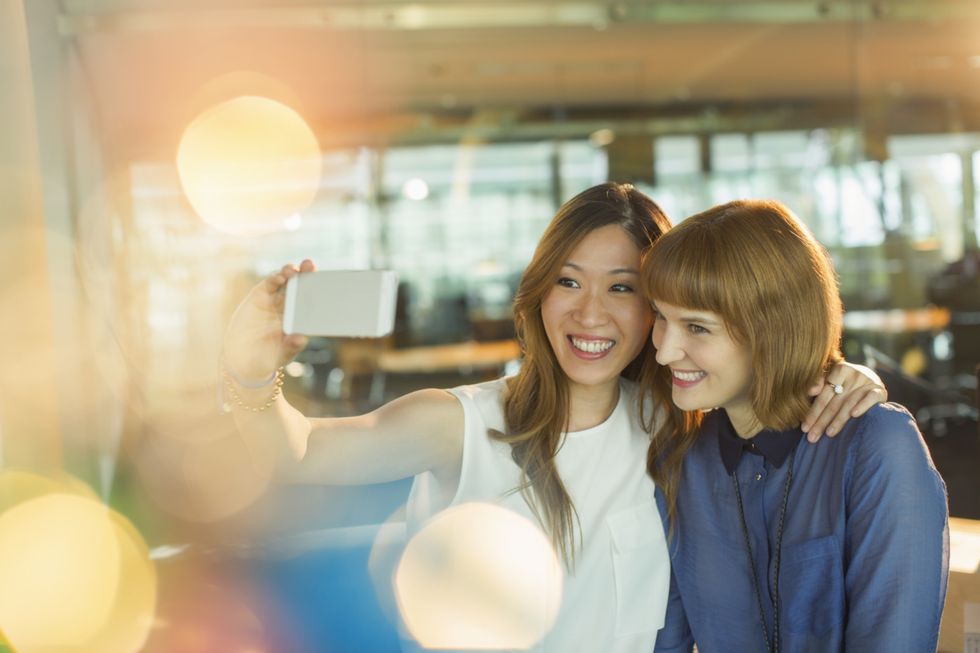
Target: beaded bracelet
column 275, row 380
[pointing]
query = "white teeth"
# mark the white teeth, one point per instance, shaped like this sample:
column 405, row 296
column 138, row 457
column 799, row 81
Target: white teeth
column 688, row 376
column 592, row 346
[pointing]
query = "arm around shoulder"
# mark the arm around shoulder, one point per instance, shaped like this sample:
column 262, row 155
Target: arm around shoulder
column 896, row 544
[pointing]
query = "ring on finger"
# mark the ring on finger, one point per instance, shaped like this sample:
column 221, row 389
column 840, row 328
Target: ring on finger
column 837, row 387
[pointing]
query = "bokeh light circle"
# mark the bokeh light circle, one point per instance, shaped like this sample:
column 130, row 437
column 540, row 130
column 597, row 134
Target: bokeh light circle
column 59, row 569
column 478, row 576
column 248, row 164
column 198, row 467
column 134, row 609
column 76, row 576
column 18, row 486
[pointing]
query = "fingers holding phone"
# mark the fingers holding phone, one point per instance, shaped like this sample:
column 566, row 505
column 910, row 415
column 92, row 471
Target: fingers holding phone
column 272, row 288
column 271, row 325
column 254, row 343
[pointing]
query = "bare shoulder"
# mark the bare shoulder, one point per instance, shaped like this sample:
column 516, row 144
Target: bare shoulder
column 434, row 420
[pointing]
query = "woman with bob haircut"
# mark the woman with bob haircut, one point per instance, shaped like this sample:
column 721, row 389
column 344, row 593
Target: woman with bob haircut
column 563, row 442
column 778, row 547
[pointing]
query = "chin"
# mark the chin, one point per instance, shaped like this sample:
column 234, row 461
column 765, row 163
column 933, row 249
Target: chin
column 686, row 403
column 590, row 379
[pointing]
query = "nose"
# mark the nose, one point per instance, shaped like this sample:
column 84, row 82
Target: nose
column 590, row 311
column 666, row 343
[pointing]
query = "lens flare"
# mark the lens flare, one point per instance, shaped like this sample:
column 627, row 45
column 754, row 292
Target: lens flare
column 200, row 470
column 203, row 610
column 248, row 164
column 478, row 576
column 77, row 576
column 59, row 568
column 17, row 486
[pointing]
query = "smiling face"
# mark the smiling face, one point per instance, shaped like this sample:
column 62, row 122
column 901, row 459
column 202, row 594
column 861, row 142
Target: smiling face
column 596, row 319
column 708, row 368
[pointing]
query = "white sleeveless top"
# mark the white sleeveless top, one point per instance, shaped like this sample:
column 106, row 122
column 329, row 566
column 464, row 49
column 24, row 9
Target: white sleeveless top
column 614, row 601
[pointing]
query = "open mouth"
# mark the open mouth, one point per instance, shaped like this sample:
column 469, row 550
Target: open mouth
column 686, row 379
column 591, row 345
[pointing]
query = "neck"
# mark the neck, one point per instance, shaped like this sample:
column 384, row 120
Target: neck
column 590, row 406
column 744, row 421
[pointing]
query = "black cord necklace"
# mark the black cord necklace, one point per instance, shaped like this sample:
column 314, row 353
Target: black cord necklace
column 774, row 648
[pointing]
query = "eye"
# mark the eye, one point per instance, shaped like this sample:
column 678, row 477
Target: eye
column 565, row 282
column 697, row 329
column 621, row 287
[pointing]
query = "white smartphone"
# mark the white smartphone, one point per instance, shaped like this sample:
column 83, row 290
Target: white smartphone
column 341, row 303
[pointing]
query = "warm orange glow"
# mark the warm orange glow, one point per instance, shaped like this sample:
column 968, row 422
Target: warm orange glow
column 248, row 164
column 178, row 464
column 203, row 611
column 964, row 545
column 479, row 577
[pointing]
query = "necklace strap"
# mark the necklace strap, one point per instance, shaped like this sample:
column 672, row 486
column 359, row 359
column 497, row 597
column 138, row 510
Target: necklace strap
column 774, row 647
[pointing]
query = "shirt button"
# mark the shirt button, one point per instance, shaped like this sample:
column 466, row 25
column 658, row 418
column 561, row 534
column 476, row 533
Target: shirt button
column 758, row 477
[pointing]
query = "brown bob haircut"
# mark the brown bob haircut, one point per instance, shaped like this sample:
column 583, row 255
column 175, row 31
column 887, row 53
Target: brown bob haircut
column 761, row 270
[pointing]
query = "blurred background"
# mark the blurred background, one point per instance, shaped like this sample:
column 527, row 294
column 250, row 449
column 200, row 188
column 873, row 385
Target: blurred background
column 436, row 139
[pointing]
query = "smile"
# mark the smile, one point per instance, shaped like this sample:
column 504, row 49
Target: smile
column 686, row 379
column 590, row 345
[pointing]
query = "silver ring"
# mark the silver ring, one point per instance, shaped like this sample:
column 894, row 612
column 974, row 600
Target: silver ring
column 838, row 388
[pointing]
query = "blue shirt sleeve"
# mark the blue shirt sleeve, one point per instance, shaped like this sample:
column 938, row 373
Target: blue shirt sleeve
column 675, row 636
column 897, row 541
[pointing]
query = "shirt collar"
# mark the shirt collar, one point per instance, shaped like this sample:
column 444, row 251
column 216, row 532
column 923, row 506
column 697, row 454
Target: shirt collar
column 774, row 446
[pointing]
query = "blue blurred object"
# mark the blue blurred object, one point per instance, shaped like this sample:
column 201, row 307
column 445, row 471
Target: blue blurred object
column 327, row 602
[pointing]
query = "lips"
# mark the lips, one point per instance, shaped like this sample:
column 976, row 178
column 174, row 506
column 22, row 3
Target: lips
column 687, row 378
column 590, row 347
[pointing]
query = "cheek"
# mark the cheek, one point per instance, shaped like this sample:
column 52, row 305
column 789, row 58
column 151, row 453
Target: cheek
column 748, row 372
column 550, row 315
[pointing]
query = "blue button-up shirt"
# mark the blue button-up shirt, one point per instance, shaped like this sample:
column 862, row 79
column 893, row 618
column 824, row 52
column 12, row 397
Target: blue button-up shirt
column 864, row 553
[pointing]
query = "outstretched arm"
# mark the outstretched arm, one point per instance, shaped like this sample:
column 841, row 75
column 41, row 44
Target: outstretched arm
column 422, row 431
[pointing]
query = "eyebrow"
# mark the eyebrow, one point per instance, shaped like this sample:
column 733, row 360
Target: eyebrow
column 575, row 266
column 688, row 319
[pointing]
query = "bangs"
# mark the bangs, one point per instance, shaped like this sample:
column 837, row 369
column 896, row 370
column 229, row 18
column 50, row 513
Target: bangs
column 684, row 268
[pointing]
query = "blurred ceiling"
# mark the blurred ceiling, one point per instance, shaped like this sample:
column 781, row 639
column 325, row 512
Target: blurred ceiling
column 366, row 71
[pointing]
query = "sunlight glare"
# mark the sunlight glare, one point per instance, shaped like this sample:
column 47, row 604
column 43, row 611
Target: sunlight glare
column 59, row 568
column 478, row 576
column 248, row 164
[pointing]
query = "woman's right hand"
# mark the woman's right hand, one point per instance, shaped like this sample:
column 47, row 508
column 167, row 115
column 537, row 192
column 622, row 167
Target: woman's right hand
column 254, row 343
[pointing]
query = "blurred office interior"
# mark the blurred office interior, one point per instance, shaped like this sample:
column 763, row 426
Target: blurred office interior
column 448, row 133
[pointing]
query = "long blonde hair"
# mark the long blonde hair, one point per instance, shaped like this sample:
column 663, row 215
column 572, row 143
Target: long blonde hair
column 536, row 405
column 758, row 267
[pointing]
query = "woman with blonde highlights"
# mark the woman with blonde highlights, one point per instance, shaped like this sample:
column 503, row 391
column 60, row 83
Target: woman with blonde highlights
column 562, row 442
column 776, row 546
